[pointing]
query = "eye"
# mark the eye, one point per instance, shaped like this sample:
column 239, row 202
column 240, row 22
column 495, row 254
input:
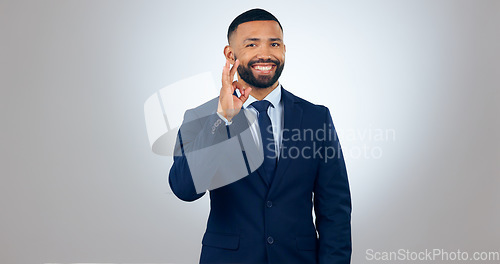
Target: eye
column 275, row 44
column 250, row 45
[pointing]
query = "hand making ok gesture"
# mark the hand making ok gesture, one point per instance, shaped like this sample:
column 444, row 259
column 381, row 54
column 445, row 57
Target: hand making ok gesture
column 229, row 104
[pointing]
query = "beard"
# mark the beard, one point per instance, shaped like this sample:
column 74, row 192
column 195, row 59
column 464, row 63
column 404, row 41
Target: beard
column 261, row 81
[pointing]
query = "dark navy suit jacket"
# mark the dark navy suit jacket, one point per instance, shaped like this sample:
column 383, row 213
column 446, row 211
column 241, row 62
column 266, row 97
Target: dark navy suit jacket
column 252, row 221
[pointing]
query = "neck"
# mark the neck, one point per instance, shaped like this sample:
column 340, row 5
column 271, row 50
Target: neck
column 261, row 93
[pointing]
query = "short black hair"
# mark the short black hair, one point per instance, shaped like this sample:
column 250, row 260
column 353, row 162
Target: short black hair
column 255, row 14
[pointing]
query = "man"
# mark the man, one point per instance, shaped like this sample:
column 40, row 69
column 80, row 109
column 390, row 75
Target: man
column 265, row 217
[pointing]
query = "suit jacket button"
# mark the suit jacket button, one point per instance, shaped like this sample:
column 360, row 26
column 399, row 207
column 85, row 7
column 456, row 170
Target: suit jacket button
column 270, row 240
column 269, row 204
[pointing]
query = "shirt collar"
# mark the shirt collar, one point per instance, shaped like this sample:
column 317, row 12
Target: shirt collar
column 274, row 97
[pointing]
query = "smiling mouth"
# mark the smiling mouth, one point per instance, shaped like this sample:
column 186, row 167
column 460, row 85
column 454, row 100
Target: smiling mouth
column 264, row 69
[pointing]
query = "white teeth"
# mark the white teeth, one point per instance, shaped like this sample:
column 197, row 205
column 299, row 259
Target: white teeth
column 263, row 68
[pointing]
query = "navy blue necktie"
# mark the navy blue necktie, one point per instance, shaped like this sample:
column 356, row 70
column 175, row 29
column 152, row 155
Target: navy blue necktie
column 269, row 164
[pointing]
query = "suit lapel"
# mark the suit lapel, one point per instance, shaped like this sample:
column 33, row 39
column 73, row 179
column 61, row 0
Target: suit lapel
column 262, row 176
column 292, row 120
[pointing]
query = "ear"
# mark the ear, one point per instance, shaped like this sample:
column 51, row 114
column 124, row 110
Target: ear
column 229, row 54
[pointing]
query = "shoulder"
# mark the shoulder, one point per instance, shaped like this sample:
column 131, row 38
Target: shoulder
column 206, row 109
column 305, row 105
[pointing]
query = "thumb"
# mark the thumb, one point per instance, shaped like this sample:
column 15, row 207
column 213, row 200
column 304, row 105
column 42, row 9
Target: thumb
column 245, row 94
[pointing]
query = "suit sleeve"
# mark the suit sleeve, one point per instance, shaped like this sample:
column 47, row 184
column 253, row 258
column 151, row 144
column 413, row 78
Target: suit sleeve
column 198, row 154
column 332, row 202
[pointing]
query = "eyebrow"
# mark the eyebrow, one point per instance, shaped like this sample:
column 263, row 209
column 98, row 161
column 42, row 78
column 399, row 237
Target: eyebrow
column 258, row 39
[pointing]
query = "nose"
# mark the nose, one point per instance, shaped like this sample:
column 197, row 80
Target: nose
column 264, row 53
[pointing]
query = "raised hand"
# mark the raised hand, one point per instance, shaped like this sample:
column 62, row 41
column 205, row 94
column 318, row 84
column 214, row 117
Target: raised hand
column 229, row 104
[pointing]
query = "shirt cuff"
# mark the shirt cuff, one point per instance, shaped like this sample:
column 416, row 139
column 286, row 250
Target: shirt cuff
column 224, row 119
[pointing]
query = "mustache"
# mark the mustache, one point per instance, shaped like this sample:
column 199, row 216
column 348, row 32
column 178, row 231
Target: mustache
column 276, row 62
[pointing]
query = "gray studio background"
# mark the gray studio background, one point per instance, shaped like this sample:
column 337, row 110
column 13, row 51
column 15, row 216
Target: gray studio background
column 79, row 182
